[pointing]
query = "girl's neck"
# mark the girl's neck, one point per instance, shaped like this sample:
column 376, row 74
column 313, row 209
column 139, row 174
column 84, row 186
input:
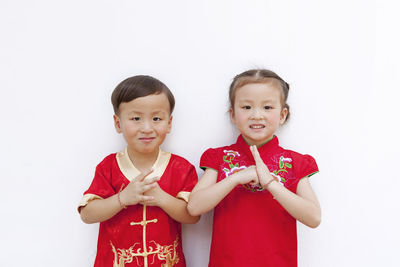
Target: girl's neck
column 141, row 161
column 259, row 144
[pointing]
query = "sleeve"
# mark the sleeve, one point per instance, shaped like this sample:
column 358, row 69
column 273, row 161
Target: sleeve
column 100, row 188
column 308, row 167
column 209, row 160
column 189, row 181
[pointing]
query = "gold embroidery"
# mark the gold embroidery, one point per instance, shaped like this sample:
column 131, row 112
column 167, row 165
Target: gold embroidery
column 166, row 253
column 122, row 256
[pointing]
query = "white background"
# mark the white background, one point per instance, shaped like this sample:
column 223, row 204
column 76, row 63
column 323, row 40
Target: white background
column 60, row 61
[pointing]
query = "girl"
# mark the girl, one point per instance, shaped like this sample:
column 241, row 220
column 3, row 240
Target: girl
column 258, row 189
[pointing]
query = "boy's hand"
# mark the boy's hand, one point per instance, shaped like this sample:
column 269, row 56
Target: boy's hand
column 134, row 191
column 156, row 194
column 263, row 173
column 248, row 175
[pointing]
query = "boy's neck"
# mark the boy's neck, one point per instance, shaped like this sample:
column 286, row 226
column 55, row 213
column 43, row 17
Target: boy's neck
column 143, row 162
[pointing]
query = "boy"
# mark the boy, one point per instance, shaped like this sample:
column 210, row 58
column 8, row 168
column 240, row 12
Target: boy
column 140, row 194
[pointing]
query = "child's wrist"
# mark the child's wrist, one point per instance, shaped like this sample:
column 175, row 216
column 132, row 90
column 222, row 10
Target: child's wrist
column 236, row 178
column 121, row 202
column 267, row 184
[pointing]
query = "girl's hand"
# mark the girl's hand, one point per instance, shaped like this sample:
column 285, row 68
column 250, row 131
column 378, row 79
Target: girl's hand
column 264, row 176
column 248, row 175
column 134, row 191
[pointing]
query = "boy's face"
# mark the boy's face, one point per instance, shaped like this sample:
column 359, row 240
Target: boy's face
column 144, row 123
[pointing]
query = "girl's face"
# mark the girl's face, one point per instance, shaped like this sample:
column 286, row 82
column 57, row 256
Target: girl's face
column 257, row 111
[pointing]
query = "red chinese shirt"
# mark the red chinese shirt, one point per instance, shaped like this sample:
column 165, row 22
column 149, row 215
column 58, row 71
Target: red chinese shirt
column 251, row 228
column 140, row 235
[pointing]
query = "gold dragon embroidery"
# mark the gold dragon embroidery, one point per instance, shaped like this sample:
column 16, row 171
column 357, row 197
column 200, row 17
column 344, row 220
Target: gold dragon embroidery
column 165, row 253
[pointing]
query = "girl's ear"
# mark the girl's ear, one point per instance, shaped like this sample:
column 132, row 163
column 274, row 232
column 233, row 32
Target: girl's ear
column 284, row 113
column 232, row 114
column 117, row 124
column 169, row 124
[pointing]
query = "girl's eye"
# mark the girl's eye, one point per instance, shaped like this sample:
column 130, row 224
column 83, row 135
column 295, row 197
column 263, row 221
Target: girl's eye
column 156, row 119
column 246, row 107
column 136, row 118
column 267, row 107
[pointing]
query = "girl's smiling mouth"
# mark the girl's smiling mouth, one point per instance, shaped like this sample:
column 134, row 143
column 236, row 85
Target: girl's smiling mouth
column 257, row 126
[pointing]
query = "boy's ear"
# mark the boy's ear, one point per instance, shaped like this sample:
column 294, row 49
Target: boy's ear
column 284, row 113
column 169, row 124
column 117, row 124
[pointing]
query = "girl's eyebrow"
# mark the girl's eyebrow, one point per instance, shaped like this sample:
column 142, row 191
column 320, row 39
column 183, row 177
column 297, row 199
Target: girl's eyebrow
column 269, row 100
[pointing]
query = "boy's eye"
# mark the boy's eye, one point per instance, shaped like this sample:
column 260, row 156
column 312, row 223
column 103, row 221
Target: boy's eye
column 156, row 119
column 246, row 107
column 136, row 118
column 267, row 107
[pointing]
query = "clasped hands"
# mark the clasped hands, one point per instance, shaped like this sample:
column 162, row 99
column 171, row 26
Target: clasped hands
column 142, row 190
column 258, row 174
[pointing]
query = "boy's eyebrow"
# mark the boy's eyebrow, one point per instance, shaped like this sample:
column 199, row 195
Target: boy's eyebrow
column 141, row 113
column 158, row 111
column 135, row 112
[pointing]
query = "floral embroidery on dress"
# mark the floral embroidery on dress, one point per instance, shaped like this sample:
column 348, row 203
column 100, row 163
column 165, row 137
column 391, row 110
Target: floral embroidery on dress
column 279, row 169
column 228, row 158
column 284, row 165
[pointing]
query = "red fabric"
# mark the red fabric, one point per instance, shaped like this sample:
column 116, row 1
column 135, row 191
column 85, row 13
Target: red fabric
column 250, row 227
column 118, row 232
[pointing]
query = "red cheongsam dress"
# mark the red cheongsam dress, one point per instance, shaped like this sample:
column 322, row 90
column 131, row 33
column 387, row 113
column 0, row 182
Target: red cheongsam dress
column 250, row 227
column 140, row 235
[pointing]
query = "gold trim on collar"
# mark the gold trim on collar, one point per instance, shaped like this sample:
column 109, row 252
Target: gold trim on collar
column 130, row 171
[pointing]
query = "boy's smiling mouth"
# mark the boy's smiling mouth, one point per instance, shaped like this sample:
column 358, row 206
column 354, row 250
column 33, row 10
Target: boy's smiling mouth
column 146, row 139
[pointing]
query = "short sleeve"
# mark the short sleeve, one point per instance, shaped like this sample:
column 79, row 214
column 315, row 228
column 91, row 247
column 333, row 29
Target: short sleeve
column 100, row 187
column 308, row 167
column 189, row 181
column 209, row 160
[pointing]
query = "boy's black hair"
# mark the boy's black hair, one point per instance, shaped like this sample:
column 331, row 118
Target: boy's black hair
column 139, row 86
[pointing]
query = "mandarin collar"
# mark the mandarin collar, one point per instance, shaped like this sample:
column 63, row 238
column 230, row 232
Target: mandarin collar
column 265, row 148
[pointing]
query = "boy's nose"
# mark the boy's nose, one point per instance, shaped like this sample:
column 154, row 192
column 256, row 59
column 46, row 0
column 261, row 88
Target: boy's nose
column 147, row 127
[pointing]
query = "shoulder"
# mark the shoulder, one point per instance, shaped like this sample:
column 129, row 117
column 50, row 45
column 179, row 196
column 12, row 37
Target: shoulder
column 298, row 157
column 212, row 157
column 212, row 153
column 180, row 164
column 181, row 167
column 178, row 160
column 108, row 159
column 304, row 165
column 219, row 150
column 107, row 162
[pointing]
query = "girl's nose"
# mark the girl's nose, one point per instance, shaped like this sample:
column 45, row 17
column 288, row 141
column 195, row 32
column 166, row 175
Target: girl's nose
column 257, row 114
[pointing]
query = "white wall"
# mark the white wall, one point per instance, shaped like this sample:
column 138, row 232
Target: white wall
column 60, row 61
